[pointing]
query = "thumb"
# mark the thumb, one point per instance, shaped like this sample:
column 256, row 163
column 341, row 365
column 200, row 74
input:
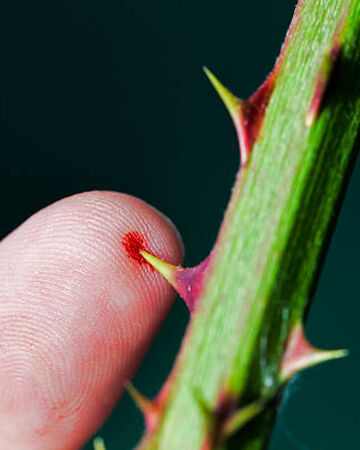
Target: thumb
column 78, row 309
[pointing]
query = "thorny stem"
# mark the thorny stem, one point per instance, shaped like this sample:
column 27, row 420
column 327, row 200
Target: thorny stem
column 271, row 245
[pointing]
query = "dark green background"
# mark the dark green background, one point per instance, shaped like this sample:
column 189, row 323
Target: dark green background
column 110, row 95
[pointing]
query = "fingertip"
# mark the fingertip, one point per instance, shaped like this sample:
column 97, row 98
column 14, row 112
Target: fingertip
column 77, row 313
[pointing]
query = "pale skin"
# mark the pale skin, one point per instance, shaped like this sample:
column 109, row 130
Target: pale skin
column 76, row 315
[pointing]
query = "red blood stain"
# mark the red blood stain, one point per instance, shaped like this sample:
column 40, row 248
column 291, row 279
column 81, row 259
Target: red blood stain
column 133, row 242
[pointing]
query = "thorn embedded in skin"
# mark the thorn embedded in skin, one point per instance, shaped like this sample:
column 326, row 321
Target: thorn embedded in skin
column 99, row 444
column 247, row 115
column 167, row 270
column 299, row 354
column 151, row 409
column 322, row 82
column 187, row 282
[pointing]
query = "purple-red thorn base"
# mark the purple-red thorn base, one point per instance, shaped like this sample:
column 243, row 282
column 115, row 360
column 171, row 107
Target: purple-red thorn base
column 189, row 283
column 252, row 114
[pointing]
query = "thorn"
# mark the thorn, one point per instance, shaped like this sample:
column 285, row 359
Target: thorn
column 150, row 409
column 234, row 107
column 187, row 282
column 143, row 403
column 167, row 270
column 232, row 103
column 300, row 355
column 241, row 417
column 247, row 115
column 226, row 419
column 99, row 444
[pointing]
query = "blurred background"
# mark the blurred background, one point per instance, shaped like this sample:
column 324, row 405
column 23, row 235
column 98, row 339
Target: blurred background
column 111, row 95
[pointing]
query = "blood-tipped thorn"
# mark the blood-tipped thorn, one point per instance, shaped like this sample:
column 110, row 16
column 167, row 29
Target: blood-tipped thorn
column 187, row 282
column 167, row 270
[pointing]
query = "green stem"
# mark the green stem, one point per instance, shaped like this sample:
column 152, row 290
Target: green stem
column 272, row 242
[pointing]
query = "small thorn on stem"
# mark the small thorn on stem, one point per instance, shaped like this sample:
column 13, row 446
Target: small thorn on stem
column 150, row 408
column 232, row 103
column 247, row 115
column 234, row 107
column 187, row 282
column 226, row 419
column 99, row 444
column 300, row 355
column 241, row 417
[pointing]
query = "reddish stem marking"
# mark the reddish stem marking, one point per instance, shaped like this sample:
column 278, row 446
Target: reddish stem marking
column 253, row 112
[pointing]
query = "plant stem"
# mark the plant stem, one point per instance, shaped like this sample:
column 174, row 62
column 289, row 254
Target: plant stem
column 272, row 242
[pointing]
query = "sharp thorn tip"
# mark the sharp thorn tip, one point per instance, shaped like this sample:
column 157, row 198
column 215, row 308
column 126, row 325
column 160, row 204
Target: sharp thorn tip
column 167, row 270
column 99, row 444
column 300, row 355
column 231, row 102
